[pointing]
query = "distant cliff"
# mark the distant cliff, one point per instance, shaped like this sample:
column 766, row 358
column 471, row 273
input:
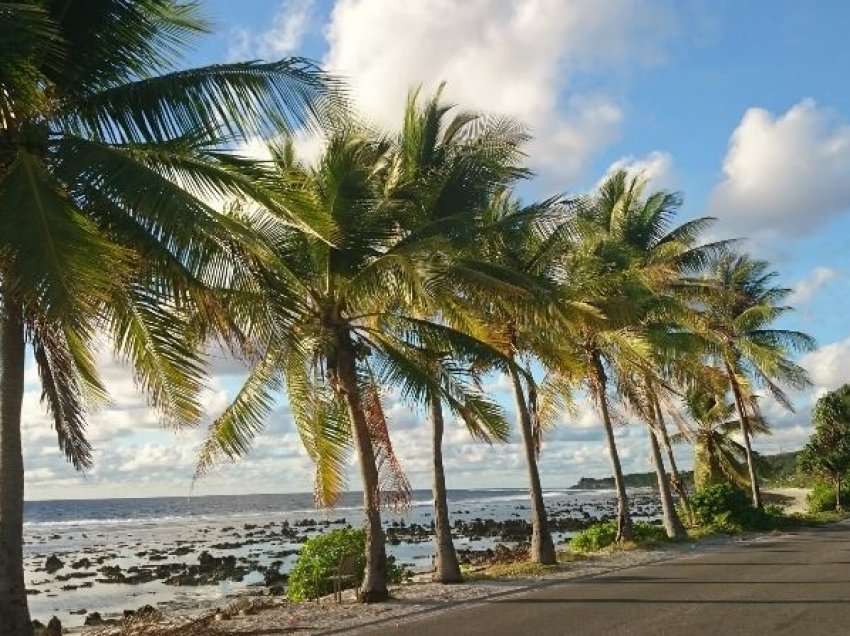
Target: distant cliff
column 633, row 480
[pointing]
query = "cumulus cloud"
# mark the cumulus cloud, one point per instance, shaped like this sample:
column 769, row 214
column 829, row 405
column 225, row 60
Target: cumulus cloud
column 502, row 57
column 282, row 38
column 787, row 174
column 829, row 365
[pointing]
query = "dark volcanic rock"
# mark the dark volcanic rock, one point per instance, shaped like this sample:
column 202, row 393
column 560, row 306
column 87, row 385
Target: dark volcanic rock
column 210, row 570
column 93, row 620
column 53, row 564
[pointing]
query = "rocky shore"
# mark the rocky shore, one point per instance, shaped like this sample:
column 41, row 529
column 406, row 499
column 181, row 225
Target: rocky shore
column 256, row 615
column 188, row 569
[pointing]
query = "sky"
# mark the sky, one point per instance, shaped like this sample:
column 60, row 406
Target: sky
column 743, row 107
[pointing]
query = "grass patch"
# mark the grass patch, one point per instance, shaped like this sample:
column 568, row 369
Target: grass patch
column 701, row 532
column 516, row 570
column 601, row 537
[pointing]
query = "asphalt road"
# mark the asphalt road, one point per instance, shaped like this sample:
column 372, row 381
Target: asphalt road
column 794, row 584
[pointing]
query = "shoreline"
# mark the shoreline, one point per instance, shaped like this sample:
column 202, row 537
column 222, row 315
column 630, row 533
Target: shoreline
column 413, row 599
column 187, row 564
column 419, row 594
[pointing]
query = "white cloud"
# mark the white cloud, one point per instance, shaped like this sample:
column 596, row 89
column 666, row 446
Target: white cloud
column 785, row 174
column 284, row 36
column 804, row 290
column 502, row 57
column 828, row 366
column 656, row 168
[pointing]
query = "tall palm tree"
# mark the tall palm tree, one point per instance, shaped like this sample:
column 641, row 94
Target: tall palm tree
column 450, row 176
column 635, row 237
column 107, row 153
column 736, row 316
column 526, row 242
column 369, row 284
column 609, row 347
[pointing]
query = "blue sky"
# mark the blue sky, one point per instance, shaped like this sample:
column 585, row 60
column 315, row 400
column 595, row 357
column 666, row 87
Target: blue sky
column 742, row 106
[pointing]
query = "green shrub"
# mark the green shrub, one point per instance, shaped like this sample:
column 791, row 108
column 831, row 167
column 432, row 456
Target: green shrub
column 397, row 572
column 596, row 537
column 822, row 497
column 310, row 577
column 725, row 508
column 721, row 503
column 645, row 533
column 602, row 535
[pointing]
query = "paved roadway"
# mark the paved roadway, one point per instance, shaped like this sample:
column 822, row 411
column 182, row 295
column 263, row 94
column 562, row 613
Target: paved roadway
column 794, row 584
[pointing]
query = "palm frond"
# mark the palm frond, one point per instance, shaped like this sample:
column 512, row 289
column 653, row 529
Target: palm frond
column 238, row 100
column 231, row 433
column 153, row 338
column 64, row 390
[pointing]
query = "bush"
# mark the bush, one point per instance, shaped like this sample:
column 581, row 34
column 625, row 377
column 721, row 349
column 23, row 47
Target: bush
column 725, row 508
column 596, row 537
column 602, row 535
column 310, row 577
column 721, row 504
column 645, row 533
column 822, row 497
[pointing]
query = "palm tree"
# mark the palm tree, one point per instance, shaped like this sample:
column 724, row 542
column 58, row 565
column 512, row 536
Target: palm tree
column 644, row 256
column 608, row 348
column 106, row 156
column 368, row 280
column 450, row 177
column 523, row 244
column 736, row 314
column 718, row 458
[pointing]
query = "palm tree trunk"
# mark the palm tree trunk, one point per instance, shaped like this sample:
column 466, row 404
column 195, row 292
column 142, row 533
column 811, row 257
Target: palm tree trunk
column 838, row 492
column 374, row 586
column 745, row 433
column 624, row 518
column 14, row 613
column 678, row 483
column 704, row 464
column 447, row 568
column 672, row 524
column 542, row 547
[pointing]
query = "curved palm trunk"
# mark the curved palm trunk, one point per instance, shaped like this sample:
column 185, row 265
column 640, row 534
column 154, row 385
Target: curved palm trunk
column 745, row 433
column 672, row 525
column 374, row 586
column 678, row 484
column 624, row 518
column 14, row 613
column 542, row 547
column 447, row 568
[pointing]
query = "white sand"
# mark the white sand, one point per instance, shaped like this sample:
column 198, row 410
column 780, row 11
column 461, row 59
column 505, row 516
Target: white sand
column 792, row 500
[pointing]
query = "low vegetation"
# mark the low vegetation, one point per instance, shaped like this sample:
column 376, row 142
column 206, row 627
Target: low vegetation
column 821, row 497
column 603, row 535
column 318, row 560
column 312, row 575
